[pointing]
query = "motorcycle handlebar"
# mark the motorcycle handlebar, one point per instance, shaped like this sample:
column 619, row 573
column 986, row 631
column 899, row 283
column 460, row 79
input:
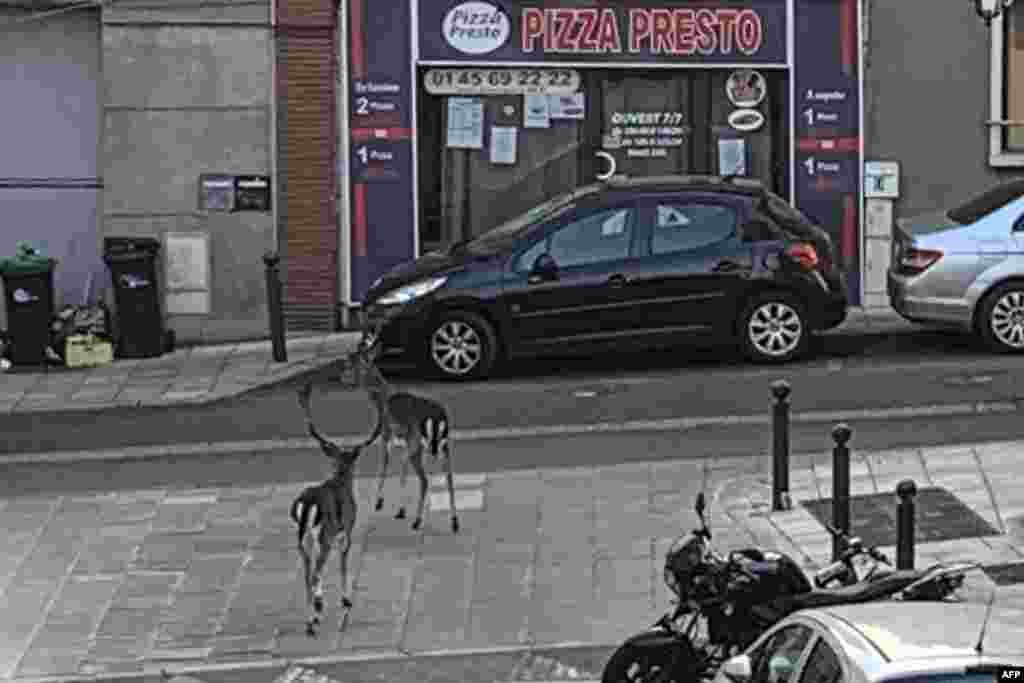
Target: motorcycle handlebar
column 855, row 549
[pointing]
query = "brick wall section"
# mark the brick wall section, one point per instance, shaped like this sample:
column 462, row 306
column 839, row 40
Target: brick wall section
column 307, row 144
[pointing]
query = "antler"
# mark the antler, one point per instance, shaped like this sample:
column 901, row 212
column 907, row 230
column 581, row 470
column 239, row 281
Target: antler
column 326, row 444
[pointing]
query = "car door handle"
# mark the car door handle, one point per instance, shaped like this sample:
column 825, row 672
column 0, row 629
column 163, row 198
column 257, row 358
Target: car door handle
column 617, row 280
column 726, row 266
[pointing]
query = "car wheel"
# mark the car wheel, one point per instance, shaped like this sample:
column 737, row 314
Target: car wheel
column 1002, row 319
column 773, row 328
column 460, row 346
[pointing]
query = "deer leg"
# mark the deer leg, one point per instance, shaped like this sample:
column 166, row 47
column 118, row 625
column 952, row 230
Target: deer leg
column 416, row 460
column 385, row 457
column 344, row 602
column 318, row 586
column 307, row 579
column 447, row 450
column 401, row 481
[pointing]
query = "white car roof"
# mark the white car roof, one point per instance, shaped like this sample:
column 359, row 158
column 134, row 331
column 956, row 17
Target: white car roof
column 893, row 638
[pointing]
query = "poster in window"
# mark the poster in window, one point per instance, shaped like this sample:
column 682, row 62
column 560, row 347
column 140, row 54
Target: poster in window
column 507, row 110
column 465, row 123
column 732, row 157
column 503, row 144
column 536, row 113
column 566, row 106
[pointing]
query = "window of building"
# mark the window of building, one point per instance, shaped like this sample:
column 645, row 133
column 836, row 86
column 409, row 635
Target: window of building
column 1006, row 129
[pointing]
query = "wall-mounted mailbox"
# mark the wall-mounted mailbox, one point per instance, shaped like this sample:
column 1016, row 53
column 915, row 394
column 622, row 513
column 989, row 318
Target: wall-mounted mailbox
column 252, row 193
column 216, row 192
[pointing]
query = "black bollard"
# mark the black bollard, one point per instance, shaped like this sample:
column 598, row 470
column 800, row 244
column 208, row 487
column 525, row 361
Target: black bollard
column 780, row 446
column 841, row 434
column 907, row 491
column 274, row 308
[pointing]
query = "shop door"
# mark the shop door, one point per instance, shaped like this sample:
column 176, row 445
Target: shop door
column 647, row 122
column 676, row 122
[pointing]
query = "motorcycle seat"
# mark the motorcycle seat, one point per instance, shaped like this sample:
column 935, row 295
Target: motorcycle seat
column 848, row 595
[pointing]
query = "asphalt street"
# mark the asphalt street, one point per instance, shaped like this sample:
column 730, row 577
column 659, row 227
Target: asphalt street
column 300, row 465
column 848, row 372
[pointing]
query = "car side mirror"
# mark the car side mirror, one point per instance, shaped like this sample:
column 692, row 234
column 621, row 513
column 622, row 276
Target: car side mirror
column 738, row 668
column 544, row 268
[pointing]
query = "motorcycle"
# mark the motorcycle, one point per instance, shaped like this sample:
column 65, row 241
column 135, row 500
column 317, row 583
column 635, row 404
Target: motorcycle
column 724, row 602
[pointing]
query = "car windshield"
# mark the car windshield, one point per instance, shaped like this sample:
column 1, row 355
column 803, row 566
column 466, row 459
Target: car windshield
column 510, row 231
column 982, row 205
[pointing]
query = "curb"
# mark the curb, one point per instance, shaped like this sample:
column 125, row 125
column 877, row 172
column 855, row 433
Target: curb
column 294, row 369
column 497, row 434
column 166, row 672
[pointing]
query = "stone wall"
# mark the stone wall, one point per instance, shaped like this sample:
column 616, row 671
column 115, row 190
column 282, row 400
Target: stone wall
column 188, row 91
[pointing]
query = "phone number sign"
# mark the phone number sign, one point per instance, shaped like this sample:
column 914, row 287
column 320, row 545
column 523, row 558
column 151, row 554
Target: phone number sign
column 502, row 81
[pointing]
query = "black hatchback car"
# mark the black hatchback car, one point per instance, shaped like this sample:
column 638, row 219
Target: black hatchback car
column 626, row 262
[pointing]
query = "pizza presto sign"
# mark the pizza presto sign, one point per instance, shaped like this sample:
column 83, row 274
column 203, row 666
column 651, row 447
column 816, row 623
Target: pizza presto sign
column 520, row 31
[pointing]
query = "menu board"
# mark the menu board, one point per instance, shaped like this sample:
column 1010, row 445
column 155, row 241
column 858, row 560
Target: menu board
column 827, row 125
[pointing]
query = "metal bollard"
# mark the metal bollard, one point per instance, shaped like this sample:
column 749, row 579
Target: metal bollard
column 274, row 307
column 907, row 491
column 780, row 446
column 841, row 434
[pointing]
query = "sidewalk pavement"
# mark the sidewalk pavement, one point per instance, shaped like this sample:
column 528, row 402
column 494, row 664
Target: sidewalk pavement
column 195, row 375
column 151, row 580
column 205, row 374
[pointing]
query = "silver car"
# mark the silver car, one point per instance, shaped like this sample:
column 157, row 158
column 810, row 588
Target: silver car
column 965, row 267
column 890, row 642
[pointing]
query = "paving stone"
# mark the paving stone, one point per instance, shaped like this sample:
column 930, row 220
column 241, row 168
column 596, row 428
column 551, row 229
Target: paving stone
column 55, row 662
column 497, row 623
column 165, row 552
column 147, row 589
column 116, row 649
column 214, row 573
column 67, row 629
column 85, row 594
column 119, row 624
column 243, row 645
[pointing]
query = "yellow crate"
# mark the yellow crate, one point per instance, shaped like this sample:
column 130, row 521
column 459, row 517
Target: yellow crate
column 86, row 350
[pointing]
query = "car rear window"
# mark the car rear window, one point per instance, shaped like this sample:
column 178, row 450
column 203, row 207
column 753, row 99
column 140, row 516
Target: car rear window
column 987, row 202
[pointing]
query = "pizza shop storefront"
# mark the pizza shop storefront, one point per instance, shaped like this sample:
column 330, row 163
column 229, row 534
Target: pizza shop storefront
column 501, row 106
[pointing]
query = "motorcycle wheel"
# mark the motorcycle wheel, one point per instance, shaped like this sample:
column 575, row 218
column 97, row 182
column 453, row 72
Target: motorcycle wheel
column 630, row 664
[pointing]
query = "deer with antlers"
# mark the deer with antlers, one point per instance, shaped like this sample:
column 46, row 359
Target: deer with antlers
column 415, row 422
column 325, row 514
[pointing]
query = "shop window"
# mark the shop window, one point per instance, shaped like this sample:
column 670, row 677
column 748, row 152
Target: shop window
column 690, row 226
column 1006, row 136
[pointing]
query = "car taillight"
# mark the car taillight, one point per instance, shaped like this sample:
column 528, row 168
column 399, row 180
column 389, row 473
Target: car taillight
column 916, row 261
column 803, row 254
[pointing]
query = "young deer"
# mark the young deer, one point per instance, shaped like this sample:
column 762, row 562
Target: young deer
column 410, row 420
column 325, row 514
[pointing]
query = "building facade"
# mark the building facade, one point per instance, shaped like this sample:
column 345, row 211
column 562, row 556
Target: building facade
column 350, row 136
column 462, row 115
column 146, row 118
column 944, row 98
